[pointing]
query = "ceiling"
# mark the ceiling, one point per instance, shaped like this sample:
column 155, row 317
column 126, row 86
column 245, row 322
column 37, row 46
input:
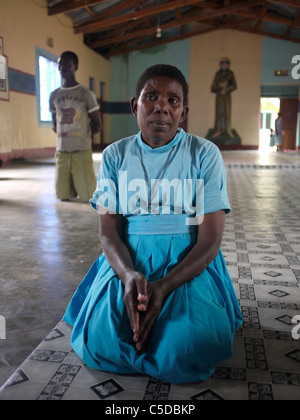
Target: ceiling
column 113, row 27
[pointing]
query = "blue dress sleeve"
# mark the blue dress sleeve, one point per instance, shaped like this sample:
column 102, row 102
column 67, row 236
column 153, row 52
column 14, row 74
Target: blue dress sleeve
column 105, row 198
column 215, row 182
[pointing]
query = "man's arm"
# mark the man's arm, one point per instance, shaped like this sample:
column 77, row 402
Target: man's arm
column 96, row 123
column 54, row 121
column 52, row 108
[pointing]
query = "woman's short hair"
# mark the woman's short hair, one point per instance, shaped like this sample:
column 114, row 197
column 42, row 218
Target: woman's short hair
column 163, row 70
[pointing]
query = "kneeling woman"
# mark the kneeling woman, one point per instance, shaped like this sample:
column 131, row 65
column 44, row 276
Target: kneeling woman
column 159, row 300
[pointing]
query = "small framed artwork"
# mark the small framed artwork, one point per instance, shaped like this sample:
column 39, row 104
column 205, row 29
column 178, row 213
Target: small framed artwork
column 4, row 92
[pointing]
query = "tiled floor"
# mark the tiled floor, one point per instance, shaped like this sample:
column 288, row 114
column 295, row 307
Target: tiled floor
column 48, row 247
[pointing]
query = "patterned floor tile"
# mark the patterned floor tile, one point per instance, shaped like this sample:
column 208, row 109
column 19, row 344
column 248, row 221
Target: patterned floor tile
column 107, row 389
column 207, row 395
column 261, row 246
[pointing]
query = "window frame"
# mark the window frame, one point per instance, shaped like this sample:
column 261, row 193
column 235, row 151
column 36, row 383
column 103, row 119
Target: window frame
column 264, row 120
column 49, row 56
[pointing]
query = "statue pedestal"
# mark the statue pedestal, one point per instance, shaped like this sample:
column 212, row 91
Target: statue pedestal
column 224, row 139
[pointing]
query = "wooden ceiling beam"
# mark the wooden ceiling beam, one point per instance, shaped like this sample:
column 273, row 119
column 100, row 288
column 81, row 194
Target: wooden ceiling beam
column 116, row 9
column 113, row 10
column 116, row 34
column 233, row 26
column 263, row 10
column 143, row 32
column 104, row 24
column 126, row 50
column 229, row 9
column 149, row 20
column 70, row 5
column 107, row 13
column 197, row 17
column 90, row 11
column 261, row 15
column 268, row 17
column 152, row 31
column 120, row 25
column 264, row 33
column 185, row 19
column 289, row 29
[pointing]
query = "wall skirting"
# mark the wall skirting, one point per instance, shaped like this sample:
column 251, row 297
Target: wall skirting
column 50, row 152
column 238, row 147
column 26, row 154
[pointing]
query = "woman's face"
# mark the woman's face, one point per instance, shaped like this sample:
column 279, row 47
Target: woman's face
column 159, row 110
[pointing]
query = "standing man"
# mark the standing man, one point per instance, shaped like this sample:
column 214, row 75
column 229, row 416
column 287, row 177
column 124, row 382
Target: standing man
column 75, row 117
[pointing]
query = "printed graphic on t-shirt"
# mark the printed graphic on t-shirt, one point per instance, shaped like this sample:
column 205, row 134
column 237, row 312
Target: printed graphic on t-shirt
column 72, row 106
column 67, row 115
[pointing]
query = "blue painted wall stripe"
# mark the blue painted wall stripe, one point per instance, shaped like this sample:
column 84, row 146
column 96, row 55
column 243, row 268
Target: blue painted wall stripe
column 116, row 108
column 21, row 82
column 279, row 91
column 25, row 83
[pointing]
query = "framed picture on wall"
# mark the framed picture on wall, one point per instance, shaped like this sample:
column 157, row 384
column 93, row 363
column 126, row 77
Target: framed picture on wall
column 4, row 93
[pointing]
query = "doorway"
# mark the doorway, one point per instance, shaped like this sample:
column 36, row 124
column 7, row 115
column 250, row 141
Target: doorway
column 269, row 109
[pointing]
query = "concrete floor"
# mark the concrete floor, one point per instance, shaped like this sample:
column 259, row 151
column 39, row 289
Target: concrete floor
column 47, row 246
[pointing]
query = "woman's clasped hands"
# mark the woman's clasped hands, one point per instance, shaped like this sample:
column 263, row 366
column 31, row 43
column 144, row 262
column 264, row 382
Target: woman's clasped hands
column 144, row 302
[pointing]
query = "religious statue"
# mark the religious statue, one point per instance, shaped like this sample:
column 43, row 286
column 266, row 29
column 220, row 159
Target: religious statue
column 223, row 84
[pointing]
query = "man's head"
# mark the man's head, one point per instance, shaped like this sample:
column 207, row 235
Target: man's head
column 68, row 64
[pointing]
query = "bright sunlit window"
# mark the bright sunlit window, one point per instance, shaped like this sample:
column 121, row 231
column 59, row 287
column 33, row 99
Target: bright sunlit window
column 48, row 79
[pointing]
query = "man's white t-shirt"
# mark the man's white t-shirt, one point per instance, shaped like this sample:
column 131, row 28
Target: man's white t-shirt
column 72, row 107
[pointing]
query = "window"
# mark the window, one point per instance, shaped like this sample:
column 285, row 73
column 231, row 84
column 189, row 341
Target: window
column 47, row 80
column 266, row 120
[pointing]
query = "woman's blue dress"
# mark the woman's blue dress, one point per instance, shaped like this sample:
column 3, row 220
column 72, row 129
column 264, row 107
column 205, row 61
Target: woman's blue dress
column 196, row 327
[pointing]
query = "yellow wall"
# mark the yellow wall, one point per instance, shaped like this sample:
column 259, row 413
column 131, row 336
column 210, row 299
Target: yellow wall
column 24, row 25
column 245, row 53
